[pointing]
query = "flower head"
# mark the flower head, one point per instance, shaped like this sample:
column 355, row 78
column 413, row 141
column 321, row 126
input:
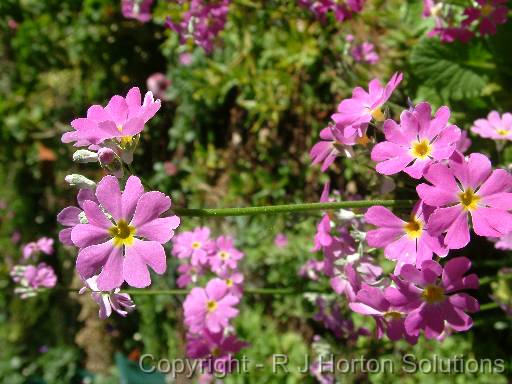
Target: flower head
column 281, row 240
column 211, row 307
column 158, row 84
column 433, row 297
column 226, row 255
column 495, row 127
column 137, row 9
column 407, row 242
column 123, row 235
column 195, row 244
column 109, row 301
column 31, row 278
column 365, row 52
column 44, row 245
column 467, row 187
column 487, row 14
column 417, row 142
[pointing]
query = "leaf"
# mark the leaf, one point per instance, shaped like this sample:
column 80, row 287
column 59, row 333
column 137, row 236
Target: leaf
column 456, row 71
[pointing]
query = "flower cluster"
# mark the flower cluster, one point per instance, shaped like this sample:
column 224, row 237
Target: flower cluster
column 456, row 23
column 342, row 10
column 119, row 233
column 201, row 23
column 495, row 127
column 137, row 9
column 351, row 121
column 44, row 245
column 362, row 53
column 209, row 310
column 31, row 278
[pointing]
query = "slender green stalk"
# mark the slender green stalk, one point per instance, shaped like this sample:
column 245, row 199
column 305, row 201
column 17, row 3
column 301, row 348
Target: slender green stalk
column 488, row 306
column 289, row 208
column 250, row 291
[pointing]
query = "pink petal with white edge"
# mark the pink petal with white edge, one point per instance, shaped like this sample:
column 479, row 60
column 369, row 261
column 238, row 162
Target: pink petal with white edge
column 91, row 259
column 109, row 196
column 149, row 207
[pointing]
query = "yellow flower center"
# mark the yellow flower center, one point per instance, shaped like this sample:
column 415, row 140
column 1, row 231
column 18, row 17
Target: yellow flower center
column 223, row 255
column 486, row 10
column 469, row 199
column 363, row 140
column 126, row 141
column 392, row 315
column 377, row 114
column 502, row 132
column 122, row 233
column 413, row 228
column 433, row 294
column 421, row 149
column 229, row 282
column 196, row 245
column 211, row 305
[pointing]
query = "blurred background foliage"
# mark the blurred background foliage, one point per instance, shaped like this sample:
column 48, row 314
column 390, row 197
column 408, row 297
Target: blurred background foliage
column 236, row 130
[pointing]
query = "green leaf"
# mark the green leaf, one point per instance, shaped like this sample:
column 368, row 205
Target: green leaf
column 455, row 71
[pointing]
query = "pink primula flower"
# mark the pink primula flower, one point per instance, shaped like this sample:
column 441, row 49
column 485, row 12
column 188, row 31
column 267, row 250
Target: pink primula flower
column 31, row 278
column 332, row 145
column 137, row 9
column 365, row 52
column 417, row 142
column 211, row 307
column 122, row 246
column 281, row 240
column 495, row 127
column 407, row 242
column 195, row 245
column 432, row 296
column 44, row 245
column 355, row 113
column 372, row 301
column 122, row 119
column 121, row 303
column 226, row 255
column 488, row 14
column 467, row 187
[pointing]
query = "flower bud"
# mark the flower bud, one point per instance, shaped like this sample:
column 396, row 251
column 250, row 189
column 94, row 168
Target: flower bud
column 85, row 156
column 106, row 156
column 80, row 181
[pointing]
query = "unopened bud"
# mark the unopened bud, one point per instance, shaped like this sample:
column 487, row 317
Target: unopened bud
column 106, row 156
column 80, row 181
column 85, row 156
column 344, row 214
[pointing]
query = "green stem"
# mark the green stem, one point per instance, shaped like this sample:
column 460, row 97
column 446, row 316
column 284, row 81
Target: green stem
column 488, row 306
column 289, row 208
column 250, row 291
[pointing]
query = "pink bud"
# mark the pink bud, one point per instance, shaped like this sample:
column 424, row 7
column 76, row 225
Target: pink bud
column 106, row 155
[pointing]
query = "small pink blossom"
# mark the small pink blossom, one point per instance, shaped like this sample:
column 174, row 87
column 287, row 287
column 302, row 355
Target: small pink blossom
column 432, row 296
column 234, row 281
column 137, row 9
column 121, row 303
column 31, row 278
column 495, row 127
column 281, row 240
column 158, row 84
column 365, row 52
column 226, row 255
column 487, row 14
column 332, row 145
column 341, row 10
column 417, row 142
column 211, row 307
column 331, row 316
column 188, row 274
column 312, row 269
column 123, row 245
column 44, row 245
column 355, row 113
column 467, row 187
column 195, row 245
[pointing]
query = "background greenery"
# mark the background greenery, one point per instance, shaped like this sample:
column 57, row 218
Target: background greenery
column 238, row 127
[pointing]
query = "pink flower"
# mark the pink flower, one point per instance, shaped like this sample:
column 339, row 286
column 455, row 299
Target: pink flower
column 332, row 145
column 137, row 9
column 121, row 120
column 211, row 307
column 214, row 349
column 70, row 216
column 188, row 274
column 44, row 245
column 355, row 113
column 407, row 242
column 185, row 59
column 349, row 278
column 195, row 244
column 373, row 302
column 467, row 187
column 417, row 142
column 495, row 127
column 365, row 52
column 330, row 314
column 123, row 245
column 433, row 296
column 341, row 10
column 281, row 240
column 504, row 242
column 449, row 34
column 234, row 281
column 31, row 278
column 226, row 255
column 158, row 84
column 108, row 301
column 311, row 269
column 487, row 14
